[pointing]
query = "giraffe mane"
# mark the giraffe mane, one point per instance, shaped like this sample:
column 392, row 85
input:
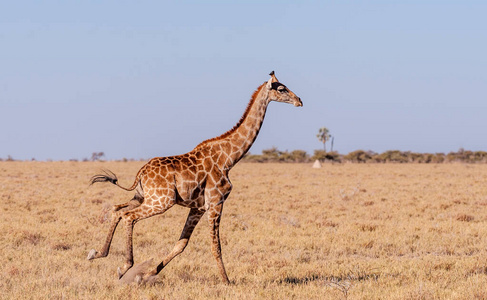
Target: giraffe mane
column 246, row 113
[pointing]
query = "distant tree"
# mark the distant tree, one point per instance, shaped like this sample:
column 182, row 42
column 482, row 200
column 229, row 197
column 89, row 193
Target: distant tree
column 323, row 136
column 358, row 156
column 275, row 155
column 319, row 155
column 323, row 156
column 284, row 156
column 97, row 156
column 271, row 154
column 333, row 156
column 299, row 156
column 439, row 158
column 395, row 156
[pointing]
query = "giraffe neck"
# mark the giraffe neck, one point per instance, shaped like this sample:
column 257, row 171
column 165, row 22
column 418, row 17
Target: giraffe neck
column 244, row 135
column 231, row 146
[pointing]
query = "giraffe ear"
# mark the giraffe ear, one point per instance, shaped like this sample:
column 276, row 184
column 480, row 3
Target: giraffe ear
column 271, row 80
column 269, row 84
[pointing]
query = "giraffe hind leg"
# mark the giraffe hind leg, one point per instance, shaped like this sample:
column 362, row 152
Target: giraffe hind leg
column 140, row 274
column 129, row 219
column 117, row 211
column 131, row 204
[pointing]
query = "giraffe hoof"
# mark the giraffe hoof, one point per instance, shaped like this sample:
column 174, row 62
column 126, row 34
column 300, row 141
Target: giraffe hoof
column 119, row 273
column 92, row 254
column 144, row 278
column 138, row 274
column 138, row 279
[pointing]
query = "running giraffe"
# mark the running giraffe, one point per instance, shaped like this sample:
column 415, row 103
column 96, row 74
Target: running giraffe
column 197, row 180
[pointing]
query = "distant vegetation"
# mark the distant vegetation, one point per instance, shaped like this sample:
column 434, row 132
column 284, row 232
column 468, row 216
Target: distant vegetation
column 274, row 155
column 361, row 156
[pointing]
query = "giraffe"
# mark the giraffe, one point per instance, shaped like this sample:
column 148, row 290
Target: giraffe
column 197, row 180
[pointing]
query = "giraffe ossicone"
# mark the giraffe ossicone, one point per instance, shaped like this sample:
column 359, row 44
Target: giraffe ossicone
column 197, row 180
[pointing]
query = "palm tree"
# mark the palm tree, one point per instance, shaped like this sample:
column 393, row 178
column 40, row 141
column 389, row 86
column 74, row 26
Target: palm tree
column 323, row 136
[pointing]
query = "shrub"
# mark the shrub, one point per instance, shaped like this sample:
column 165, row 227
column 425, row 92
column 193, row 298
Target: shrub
column 319, row 155
column 274, row 155
column 359, row 156
column 393, row 156
column 322, row 155
column 299, row 156
column 271, row 154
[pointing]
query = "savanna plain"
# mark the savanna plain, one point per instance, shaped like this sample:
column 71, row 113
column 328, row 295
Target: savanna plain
column 345, row 231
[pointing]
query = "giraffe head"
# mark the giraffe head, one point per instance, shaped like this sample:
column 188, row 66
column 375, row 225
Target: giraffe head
column 280, row 93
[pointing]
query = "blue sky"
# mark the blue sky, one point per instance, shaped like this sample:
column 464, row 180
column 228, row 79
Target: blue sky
column 155, row 78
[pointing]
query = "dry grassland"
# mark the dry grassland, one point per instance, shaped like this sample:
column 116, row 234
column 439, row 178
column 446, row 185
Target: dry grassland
column 382, row 231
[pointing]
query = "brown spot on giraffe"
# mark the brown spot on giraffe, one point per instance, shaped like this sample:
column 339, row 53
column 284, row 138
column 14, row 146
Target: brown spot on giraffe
column 197, row 180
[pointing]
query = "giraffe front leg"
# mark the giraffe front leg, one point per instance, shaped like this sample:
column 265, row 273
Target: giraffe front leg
column 194, row 217
column 214, row 217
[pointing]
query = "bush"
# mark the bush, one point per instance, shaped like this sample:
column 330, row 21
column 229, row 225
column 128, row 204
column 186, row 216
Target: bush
column 358, row 156
column 393, row 156
column 274, row 155
column 467, row 156
column 299, row 156
column 319, row 155
column 324, row 156
column 271, row 154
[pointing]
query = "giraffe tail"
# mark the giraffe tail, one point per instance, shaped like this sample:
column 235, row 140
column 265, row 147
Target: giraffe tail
column 109, row 176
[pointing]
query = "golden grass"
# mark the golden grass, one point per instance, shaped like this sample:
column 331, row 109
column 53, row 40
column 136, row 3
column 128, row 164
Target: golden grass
column 288, row 232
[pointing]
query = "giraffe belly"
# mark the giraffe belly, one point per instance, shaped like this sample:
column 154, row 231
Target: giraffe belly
column 190, row 195
column 197, row 203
